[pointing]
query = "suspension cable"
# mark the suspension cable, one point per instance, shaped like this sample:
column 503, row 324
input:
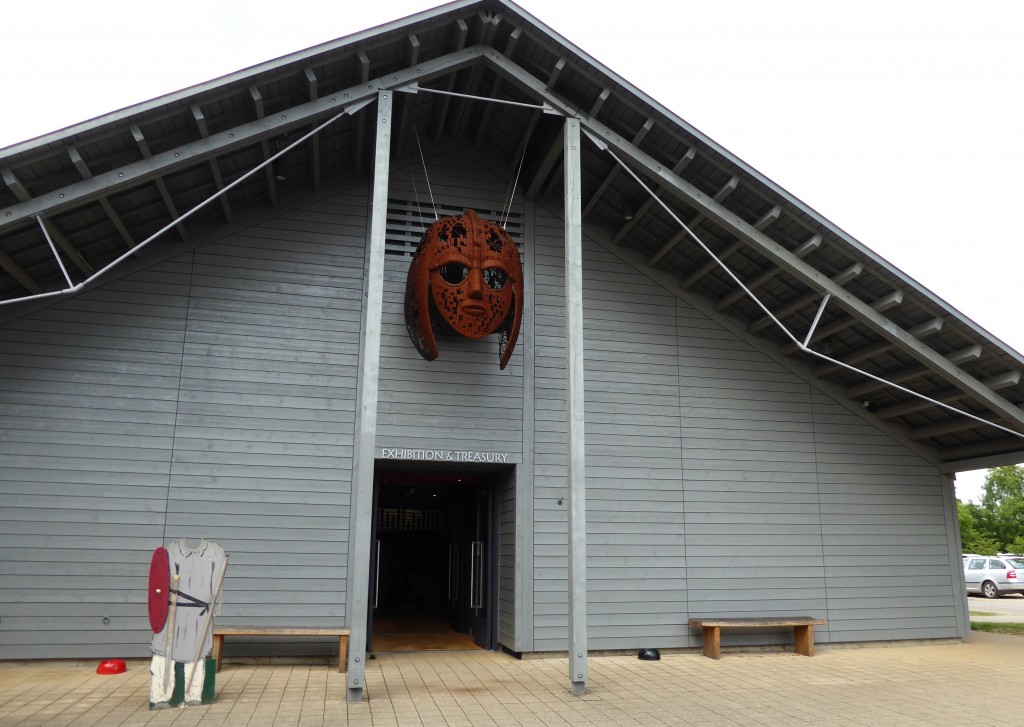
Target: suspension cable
column 426, row 174
column 181, row 218
column 507, row 209
column 799, row 344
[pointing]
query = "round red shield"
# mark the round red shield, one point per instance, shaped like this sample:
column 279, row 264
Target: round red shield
column 159, row 589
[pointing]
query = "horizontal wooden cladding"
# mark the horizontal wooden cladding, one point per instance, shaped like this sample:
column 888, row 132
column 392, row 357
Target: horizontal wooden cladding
column 212, row 397
column 754, row 472
column 461, row 400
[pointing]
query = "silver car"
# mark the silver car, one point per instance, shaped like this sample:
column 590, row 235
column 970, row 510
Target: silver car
column 993, row 576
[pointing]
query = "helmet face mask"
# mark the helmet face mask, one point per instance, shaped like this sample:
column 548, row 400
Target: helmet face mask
column 466, row 278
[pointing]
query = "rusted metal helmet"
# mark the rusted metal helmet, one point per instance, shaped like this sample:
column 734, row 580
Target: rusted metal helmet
column 466, row 278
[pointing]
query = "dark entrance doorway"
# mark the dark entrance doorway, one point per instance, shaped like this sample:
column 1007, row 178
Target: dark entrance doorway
column 433, row 570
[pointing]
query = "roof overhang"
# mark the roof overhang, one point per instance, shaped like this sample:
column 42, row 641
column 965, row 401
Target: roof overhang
column 668, row 198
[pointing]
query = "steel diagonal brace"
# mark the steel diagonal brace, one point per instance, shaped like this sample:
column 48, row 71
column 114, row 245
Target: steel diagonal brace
column 770, row 249
column 814, row 323
column 350, row 109
column 296, row 117
column 352, row 101
column 821, row 308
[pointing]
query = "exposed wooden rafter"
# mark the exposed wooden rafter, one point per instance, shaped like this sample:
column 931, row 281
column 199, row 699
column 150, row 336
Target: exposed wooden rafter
column 886, row 302
column 14, row 184
column 404, row 112
column 165, row 195
column 207, row 148
column 485, row 123
column 761, row 243
column 649, row 203
column 947, row 396
column 61, row 240
column 104, row 202
column 50, row 229
column 268, row 171
column 461, row 34
column 535, row 118
column 1010, row 446
column 764, row 221
column 922, row 330
column 314, row 141
column 771, row 273
column 554, row 153
column 18, row 273
column 218, row 180
column 971, row 353
column 599, row 102
column 487, row 24
column 720, row 196
column 12, row 268
column 949, row 426
column 804, row 301
column 613, row 174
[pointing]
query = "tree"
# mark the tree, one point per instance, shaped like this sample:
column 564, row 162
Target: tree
column 1004, row 498
column 1003, row 484
column 997, row 524
column 974, row 530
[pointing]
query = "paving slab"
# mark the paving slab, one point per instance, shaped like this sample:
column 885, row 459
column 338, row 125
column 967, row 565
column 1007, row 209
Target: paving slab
column 925, row 684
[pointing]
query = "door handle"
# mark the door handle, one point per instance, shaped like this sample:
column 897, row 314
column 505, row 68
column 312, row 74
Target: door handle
column 476, row 574
column 376, row 585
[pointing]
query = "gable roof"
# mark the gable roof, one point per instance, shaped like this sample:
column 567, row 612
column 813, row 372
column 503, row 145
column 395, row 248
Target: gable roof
column 100, row 188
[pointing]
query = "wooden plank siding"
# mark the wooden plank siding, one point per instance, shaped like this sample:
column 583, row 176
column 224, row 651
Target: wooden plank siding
column 461, row 400
column 212, row 395
column 719, row 483
column 88, row 394
column 634, row 462
column 752, row 512
column 884, row 534
column 263, row 447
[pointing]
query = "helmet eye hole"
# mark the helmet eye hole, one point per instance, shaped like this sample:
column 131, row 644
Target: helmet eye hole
column 454, row 273
column 494, row 278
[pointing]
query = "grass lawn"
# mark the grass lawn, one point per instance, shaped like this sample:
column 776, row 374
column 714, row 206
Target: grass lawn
column 1017, row 629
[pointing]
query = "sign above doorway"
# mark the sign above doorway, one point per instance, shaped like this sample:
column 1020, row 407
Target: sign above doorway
column 447, row 455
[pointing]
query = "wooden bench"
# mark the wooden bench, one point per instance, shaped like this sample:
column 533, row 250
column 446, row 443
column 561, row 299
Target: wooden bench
column 803, row 631
column 219, row 632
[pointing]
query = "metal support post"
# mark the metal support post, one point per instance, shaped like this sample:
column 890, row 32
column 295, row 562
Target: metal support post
column 574, row 367
column 366, row 408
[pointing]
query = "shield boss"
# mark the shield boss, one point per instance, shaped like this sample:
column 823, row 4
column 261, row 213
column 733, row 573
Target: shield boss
column 159, row 589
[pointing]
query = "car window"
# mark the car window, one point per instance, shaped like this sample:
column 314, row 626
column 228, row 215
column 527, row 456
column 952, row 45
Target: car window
column 977, row 564
column 997, row 565
column 1016, row 562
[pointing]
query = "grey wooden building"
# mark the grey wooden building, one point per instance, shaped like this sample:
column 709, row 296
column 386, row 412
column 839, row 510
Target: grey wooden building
column 719, row 403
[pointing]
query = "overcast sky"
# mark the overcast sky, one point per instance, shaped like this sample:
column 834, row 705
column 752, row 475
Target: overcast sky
column 902, row 121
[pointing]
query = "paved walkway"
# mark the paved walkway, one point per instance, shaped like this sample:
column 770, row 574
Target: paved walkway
column 908, row 684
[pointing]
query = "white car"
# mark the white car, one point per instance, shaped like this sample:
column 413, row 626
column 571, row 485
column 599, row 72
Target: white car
column 994, row 576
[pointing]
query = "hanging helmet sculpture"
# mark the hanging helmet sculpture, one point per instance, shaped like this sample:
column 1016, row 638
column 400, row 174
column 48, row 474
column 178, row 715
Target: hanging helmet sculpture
column 465, row 278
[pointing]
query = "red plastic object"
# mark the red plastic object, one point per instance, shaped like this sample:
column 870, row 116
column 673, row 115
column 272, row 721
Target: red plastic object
column 112, row 666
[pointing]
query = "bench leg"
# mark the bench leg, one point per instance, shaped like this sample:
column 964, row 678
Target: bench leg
column 343, row 653
column 803, row 640
column 218, row 648
column 713, row 642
